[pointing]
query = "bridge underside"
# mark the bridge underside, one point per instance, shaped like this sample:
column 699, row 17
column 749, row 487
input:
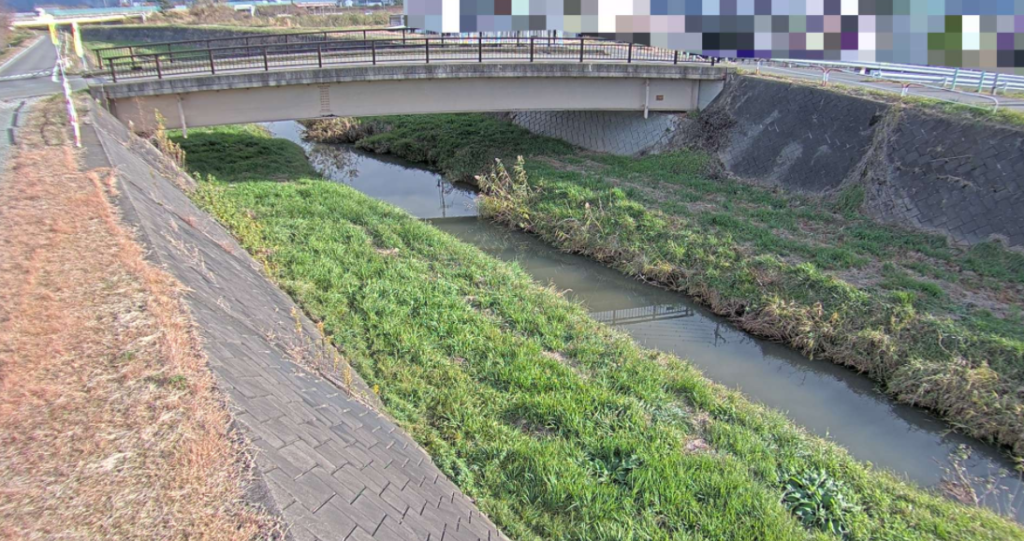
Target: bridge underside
column 265, row 97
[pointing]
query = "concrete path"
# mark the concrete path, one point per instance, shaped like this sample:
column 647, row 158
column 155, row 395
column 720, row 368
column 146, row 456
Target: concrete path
column 332, row 465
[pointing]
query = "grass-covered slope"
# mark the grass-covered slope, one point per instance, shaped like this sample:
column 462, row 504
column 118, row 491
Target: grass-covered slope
column 558, row 426
column 937, row 326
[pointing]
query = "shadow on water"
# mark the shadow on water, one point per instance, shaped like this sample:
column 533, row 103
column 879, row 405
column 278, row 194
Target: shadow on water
column 827, row 399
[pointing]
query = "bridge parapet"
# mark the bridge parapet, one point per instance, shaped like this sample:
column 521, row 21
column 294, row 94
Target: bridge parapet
column 387, row 46
column 610, row 77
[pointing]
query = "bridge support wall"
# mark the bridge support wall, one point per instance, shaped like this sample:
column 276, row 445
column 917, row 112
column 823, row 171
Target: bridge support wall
column 263, row 96
column 217, row 107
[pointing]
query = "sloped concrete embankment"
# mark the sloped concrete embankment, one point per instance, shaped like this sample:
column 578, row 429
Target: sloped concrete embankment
column 956, row 176
column 331, row 464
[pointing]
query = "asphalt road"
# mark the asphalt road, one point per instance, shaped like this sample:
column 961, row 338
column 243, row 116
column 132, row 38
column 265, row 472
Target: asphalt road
column 29, row 74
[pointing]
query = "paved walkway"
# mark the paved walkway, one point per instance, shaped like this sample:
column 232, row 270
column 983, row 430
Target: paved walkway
column 332, row 466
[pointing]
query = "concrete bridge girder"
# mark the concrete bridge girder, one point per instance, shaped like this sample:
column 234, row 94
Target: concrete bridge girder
column 211, row 100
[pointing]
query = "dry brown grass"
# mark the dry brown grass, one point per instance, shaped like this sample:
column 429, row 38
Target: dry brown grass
column 110, row 426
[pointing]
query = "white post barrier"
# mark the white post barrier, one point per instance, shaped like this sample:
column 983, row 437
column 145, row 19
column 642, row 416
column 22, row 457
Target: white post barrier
column 68, row 99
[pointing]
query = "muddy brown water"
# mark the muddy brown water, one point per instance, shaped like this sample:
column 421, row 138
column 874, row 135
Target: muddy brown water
column 828, row 400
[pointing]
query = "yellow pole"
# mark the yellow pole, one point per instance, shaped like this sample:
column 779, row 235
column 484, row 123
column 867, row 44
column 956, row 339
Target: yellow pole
column 79, row 50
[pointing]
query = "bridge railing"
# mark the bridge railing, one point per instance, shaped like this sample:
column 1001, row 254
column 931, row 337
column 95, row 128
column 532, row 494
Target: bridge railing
column 377, row 51
column 247, row 40
column 399, row 49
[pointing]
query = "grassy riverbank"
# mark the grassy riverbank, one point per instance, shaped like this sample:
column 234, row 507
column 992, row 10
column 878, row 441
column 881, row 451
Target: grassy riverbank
column 559, row 427
column 937, row 326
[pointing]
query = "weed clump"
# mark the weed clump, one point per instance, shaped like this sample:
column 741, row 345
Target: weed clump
column 819, row 502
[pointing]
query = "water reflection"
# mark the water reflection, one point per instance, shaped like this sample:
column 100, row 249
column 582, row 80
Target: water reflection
column 420, row 192
column 827, row 399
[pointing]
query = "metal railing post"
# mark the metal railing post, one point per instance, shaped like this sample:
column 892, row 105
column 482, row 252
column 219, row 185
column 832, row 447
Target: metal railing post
column 981, row 81
column 373, row 52
column 956, row 75
column 531, row 48
column 994, row 83
column 213, row 69
column 319, row 55
column 131, row 52
column 159, row 74
column 480, row 47
column 629, row 59
column 266, row 61
column 581, row 50
column 427, row 41
column 113, row 70
column 675, row 58
column 364, row 35
column 403, row 35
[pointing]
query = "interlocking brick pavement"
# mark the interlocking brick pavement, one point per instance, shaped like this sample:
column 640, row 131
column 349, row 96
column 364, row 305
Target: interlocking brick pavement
column 333, row 466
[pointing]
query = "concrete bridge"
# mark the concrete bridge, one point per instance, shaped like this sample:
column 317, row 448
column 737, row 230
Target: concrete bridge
column 234, row 85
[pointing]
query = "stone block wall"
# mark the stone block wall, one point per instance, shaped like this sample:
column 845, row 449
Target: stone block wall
column 794, row 136
column 961, row 177
column 956, row 176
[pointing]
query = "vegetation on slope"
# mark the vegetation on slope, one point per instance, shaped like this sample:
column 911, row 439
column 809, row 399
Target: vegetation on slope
column 558, row 426
column 110, row 424
column 937, row 326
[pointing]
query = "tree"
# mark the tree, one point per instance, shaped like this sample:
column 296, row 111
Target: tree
column 165, row 5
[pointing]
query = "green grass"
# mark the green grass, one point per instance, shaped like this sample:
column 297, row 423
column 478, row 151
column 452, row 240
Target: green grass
column 793, row 268
column 559, row 427
column 460, row 145
column 231, row 152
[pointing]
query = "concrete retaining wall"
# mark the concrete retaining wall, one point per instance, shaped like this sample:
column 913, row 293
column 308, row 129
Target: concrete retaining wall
column 963, row 178
column 957, row 176
column 622, row 133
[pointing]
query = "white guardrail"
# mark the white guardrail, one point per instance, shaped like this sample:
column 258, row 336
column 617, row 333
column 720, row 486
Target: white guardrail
column 949, row 78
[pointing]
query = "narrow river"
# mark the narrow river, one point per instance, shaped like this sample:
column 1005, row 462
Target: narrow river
column 828, row 400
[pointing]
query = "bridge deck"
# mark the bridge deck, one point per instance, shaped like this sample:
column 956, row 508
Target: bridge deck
column 340, row 52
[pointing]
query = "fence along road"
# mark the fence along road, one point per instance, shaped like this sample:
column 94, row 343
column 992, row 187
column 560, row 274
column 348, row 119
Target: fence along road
column 909, row 82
